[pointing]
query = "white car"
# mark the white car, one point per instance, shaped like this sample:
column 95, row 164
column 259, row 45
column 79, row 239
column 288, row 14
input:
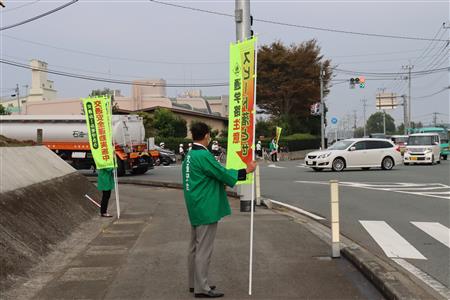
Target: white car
column 363, row 153
column 423, row 148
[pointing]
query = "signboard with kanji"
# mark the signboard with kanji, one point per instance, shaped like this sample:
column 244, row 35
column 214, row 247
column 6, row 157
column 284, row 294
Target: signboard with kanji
column 241, row 106
column 98, row 122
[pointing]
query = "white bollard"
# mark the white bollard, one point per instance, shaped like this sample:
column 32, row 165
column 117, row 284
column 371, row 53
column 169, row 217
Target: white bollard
column 257, row 186
column 335, row 246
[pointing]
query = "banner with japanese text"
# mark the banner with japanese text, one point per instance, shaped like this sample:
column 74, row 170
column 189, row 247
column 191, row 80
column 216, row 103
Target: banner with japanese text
column 98, row 122
column 241, row 106
column 277, row 139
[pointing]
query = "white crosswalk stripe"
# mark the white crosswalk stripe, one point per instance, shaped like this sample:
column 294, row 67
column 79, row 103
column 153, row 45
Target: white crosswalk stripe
column 435, row 190
column 392, row 243
column 436, row 230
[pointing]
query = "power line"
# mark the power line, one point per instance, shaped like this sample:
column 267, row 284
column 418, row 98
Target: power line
column 300, row 26
column 112, row 57
column 38, row 16
column 423, row 72
column 435, row 93
column 116, row 81
column 18, row 7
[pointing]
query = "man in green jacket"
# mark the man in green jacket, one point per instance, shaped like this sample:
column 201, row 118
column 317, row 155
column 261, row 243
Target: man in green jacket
column 204, row 181
column 105, row 183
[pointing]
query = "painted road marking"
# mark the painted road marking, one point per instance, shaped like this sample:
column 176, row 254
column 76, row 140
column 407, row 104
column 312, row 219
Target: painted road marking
column 430, row 281
column 435, row 190
column 436, row 230
column 275, row 166
column 392, row 243
column 299, row 210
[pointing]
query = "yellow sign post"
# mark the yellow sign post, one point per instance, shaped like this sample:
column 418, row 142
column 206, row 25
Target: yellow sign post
column 98, row 122
column 240, row 150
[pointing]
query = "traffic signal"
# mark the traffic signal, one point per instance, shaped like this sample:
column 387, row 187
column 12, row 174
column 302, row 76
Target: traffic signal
column 361, row 81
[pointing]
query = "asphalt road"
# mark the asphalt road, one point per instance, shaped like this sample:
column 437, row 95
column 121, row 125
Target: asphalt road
column 386, row 202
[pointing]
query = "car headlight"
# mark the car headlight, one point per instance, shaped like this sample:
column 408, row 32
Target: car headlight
column 428, row 151
column 324, row 155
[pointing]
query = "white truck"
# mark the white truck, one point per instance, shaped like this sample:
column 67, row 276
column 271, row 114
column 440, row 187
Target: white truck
column 67, row 136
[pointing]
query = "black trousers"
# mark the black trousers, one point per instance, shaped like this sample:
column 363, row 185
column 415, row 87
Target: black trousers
column 274, row 157
column 105, row 199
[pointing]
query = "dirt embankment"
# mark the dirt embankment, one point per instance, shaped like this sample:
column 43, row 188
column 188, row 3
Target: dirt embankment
column 7, row 142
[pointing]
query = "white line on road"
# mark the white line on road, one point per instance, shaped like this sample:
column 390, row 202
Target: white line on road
column 392, row 243
column 436, row 230
column 431, row 282
column 299, row 210
column 275, row 166
column 396, row 188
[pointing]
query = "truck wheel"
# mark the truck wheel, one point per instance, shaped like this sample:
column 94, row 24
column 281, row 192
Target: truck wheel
column 120, row 167
column 140, row 170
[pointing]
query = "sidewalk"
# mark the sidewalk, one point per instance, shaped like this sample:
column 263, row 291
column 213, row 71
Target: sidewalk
column 143, row 256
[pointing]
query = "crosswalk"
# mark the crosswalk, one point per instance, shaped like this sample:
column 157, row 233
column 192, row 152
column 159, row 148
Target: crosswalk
column 434, row 190
column 398, row 248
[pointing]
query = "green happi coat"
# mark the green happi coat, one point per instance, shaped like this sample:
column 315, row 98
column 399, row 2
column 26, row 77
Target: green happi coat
column 204, row 181
column 105, row 180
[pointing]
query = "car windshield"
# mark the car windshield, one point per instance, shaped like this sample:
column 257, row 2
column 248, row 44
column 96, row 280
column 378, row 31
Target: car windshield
column 341, row 145
column 400, row 139
column 420, row 141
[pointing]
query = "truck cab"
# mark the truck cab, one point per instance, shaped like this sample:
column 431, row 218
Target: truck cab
column 423, row 148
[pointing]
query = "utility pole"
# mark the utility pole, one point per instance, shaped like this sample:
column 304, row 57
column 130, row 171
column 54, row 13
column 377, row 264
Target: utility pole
column 409, row 68
column 242, row 19
column 364, row 101
column 384, row 121
column 18, row 98
column 322, row 111
column 435, row 115
column 405, row 114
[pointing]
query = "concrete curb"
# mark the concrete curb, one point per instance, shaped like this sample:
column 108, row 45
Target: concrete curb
column 163, row 184
column 393, row 282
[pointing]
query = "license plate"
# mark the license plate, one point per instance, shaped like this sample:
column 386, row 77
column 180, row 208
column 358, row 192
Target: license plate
column 78, row 154
column 413, row 158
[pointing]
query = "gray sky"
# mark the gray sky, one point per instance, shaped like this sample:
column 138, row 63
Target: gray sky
column 147, row 31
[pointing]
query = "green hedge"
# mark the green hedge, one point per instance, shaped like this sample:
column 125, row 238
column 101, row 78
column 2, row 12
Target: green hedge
column 295, row 142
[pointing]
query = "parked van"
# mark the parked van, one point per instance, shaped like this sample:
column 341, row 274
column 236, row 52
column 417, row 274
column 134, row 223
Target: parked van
column 423, row 148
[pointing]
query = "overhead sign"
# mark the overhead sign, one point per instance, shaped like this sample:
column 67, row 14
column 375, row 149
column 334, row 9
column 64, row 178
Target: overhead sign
column 98, row 121
column 386, row 101
column 334, row 120
column 241, row 106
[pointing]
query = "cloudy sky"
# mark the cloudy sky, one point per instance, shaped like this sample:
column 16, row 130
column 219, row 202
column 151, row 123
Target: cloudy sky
column 143, row 39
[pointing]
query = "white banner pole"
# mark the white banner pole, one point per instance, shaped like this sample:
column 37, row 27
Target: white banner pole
column 250, row 279
column 116, row 184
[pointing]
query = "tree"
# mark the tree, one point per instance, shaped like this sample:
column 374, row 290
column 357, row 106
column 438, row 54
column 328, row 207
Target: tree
column 359, row 132
column 167, row 124
column 288, row 84
column 264, row 128
column 4, row 111
column 148, row 124
column 375, row 123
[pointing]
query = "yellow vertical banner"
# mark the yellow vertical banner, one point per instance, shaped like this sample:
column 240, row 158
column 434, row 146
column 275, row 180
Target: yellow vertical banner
column 98, row 122
column 241, row 106
column 278, row 134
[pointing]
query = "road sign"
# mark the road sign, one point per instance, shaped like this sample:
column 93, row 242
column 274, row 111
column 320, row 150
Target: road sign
column 386, row 101
column 334, row 120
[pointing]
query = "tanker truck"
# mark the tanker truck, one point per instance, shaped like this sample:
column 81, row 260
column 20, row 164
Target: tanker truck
column 67, row 136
